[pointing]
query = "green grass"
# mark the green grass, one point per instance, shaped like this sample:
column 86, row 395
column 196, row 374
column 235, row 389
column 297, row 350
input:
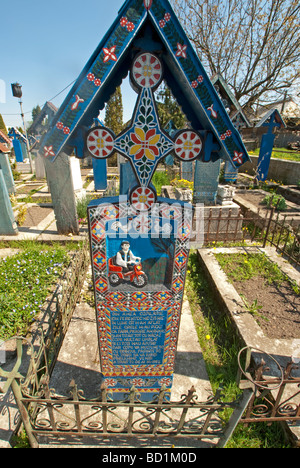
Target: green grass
column 280, row 153
column 244, row 266
column 25, row 282
column 220, row 347
column 159, row 179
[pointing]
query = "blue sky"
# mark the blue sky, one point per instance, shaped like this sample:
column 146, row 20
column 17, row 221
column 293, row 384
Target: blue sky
column 44, row 47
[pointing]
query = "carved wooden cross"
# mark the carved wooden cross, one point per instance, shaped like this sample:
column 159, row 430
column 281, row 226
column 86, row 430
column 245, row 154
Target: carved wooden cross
column 144, row 143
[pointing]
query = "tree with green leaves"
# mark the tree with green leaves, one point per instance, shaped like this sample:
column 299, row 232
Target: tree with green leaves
column 2, row 125
column 114, row 112
column 114, row 118
column 168, row 109
column 35, row 112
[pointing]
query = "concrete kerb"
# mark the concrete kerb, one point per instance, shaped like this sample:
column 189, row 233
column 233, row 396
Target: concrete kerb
column 45, row 231
column 247, row 328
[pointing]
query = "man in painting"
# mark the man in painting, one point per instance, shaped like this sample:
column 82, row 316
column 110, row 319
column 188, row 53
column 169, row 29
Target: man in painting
column 125, row 257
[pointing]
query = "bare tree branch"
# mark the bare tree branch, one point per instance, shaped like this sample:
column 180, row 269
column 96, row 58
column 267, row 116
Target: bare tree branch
column 254, row 44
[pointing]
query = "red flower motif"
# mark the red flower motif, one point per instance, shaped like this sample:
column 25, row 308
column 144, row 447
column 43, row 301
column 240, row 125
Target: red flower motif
column 97, row 82
column 200, row 79
column 228, row 133
column 110, row 54
column 223, row 136
column 145, row 144
column 91, row 77
column 147, row 4
column 123, row 21
column 59, row 125
column 238, row 157
column 66, row 130
column 167, row 16
column 48, row 151
column 162, row 23
column 181, row 50
column 130, row 27
column 194, row 84
column 137, row 382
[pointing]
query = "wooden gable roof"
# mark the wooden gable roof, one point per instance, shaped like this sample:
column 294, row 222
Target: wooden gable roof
column 148, row 25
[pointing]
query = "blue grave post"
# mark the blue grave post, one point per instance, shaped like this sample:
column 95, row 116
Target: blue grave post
column 230, row 172
column 271, row 121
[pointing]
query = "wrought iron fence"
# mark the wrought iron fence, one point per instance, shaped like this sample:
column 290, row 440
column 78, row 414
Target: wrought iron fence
column 265, row 227
column 45, row 413
column 265, row 398
column 276, row 395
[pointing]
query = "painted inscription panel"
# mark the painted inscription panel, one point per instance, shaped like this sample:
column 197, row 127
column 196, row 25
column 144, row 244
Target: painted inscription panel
column 139, row 264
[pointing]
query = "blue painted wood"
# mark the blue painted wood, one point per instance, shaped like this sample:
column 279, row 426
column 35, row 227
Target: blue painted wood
column 18, row 150
column 230, row 172
column 127, row 178
column 138, row 322
column 271, row 120
column 110, row 63
column 265, row 152
column 187, row 171
column 100, row 174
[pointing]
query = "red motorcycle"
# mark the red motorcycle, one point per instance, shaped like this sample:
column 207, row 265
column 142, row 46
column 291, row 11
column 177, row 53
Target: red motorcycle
column 116, row 275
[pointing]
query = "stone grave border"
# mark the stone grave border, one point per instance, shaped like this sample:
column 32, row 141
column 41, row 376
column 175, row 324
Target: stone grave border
column 244, row 323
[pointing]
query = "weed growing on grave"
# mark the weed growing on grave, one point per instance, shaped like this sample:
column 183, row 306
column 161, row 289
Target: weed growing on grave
column 159, row 179
column 222, row 348
column 244, row 266
column 25, row 282
column 277, row 201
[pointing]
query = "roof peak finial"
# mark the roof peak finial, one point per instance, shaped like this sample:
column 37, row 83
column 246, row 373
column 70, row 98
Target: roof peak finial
column 148, row 4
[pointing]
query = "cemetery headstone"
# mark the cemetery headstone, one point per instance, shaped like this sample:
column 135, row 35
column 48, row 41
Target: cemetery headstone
column 8, row 225
column 7, row 173
column 206, row 182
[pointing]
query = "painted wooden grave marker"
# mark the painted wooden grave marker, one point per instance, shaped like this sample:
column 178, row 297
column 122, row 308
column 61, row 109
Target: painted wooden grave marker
column 140, row 242
column 271, row 120
column 140, row 249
